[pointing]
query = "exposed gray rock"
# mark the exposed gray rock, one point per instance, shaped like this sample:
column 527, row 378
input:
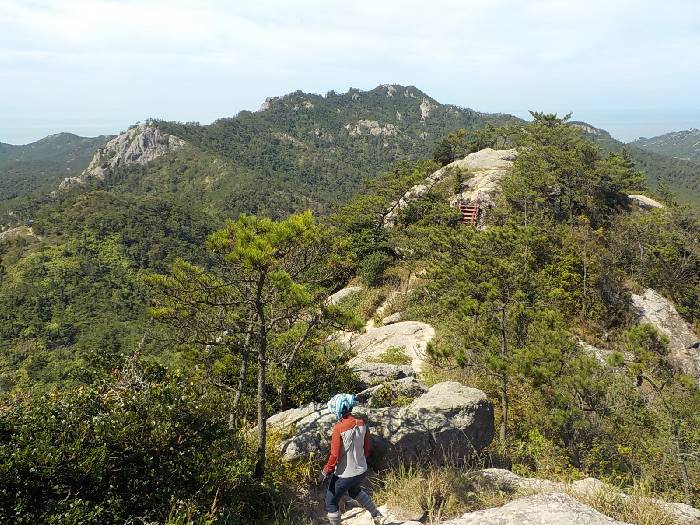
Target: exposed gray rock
column 487, row 167
column 17, row 231
column 359, row 516
column 138, row 145
column 343, row 294
column 405, row 387
column 644, row 202
column 656, row 310
column 266, row 104
column 509, row 481
column 372, row 127
column 541, row 509
column 411, row 336
column 602, row 354
column 371, row 374
column 391, row 319
column 426, row 107
column 450, row 420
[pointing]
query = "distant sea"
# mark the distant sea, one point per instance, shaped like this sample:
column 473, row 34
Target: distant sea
column 630, row 124
column 624, row 124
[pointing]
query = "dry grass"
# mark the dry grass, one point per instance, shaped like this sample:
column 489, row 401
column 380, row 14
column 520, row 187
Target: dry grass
column 435, row 493
column 635, row 509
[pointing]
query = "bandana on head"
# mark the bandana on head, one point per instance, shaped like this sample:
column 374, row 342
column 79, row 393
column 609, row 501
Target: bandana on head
column 340, row 404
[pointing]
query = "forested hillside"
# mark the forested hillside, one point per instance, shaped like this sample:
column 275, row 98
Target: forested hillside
column 684, row 145
column 677, row 174
column 145, row 338
column 39, row 166
column 149, row 323
column 299, row 151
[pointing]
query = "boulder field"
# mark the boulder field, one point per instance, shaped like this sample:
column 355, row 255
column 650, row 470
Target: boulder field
column 448, row 422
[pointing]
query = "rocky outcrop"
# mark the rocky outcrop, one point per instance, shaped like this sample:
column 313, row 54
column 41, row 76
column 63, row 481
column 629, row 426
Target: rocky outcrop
column 509, row 481
column 371, row 374
column 656, row 310
column 391, row 319
column 552, row 504
column 140, row 144
column 388, row 393
column 644, row 202
column 17, row 231
column 412, row 337
column 371, row 127
column 449, row 421
column 426, row 107
column 486, row 169
column 343, row 293
column 540, row 509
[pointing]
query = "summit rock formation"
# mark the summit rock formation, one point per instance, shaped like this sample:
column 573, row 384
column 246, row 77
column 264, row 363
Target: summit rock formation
column 140, row 144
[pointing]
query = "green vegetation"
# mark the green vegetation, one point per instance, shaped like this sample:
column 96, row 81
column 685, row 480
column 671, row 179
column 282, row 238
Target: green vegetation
column 661, row 166
column 144, row 338
column 679, row 144
column 38, row 167
column 394, row 355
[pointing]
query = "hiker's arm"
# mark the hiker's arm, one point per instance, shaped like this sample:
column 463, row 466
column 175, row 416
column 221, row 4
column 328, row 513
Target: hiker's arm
column 368, row 443
column 335, row 451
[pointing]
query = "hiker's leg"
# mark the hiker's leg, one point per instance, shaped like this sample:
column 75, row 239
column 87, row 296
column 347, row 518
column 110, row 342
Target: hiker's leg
column 357, row 493
column 336, row 488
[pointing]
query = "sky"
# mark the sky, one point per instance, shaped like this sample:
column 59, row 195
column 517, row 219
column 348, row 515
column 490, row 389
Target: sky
column 96, row 66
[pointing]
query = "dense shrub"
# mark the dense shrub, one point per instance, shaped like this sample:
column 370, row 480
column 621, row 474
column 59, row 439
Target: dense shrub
column 134, row 449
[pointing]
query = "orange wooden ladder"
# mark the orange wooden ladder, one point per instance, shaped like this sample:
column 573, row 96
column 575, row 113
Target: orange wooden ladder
column 470, row 212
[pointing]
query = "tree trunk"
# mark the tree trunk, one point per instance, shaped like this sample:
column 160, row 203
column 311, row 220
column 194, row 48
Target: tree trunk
column 504, row 377
column 504, row 409
column 262, row 368
column 284, row 390
column 244, row 367
column 241, row 377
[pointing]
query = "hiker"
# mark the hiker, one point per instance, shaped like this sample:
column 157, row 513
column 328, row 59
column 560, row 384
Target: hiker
column 347, row 461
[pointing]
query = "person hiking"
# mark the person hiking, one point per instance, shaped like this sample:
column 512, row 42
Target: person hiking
column 347, row 461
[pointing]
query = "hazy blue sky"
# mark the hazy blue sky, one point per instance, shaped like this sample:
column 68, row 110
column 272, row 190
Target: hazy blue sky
column 96, row 66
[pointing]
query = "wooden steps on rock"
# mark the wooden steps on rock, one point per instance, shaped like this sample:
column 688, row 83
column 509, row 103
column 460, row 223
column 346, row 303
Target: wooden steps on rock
column 470, row 213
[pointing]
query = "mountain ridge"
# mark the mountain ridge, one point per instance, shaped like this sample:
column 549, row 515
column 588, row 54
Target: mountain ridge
column 683, row 144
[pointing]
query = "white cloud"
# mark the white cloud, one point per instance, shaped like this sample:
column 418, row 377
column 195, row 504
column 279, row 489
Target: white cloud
column 214, row 57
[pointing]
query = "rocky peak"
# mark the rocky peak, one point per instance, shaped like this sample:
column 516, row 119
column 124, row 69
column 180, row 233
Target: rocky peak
column 371, row 127
column 655, row 309
column 140, row 144
column 487, row 167
column 426, row 107
column 590, row 130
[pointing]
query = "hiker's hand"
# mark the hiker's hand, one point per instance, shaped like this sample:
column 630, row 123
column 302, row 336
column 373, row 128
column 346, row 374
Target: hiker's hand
column 322, row 477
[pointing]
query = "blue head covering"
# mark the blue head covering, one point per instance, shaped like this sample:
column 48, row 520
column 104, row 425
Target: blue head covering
column 341, row 404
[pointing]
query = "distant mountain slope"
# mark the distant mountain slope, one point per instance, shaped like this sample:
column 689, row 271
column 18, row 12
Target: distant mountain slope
column 28, row 168
column 683, row 145
column 682, row 176
column 298, row 151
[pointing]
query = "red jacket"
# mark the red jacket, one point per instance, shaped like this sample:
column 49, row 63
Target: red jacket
column 349, row 434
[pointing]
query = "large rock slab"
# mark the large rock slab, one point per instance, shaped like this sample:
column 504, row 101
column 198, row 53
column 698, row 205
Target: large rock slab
column 140, row 144
column 411, row 336
column 658, row 311
column 487, row 166
column 541, row 509
column 371, row 374
column 450, row 421
column 384, row 394
column 509, row 481
column 343, row 293
column 644, row 202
